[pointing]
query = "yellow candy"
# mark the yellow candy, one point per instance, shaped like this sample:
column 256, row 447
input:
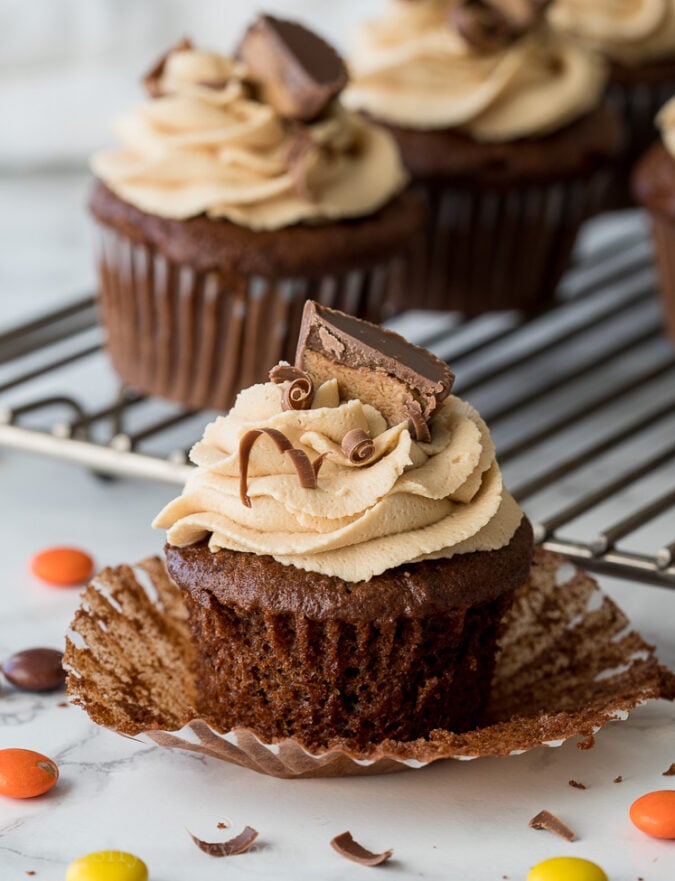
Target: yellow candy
column 566, row 869
column 108, row 865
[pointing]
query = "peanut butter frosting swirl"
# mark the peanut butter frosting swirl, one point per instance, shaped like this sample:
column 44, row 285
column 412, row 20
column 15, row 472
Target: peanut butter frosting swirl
column 412, row 68
column 666, row 123
column 630, row 32
column 406, row 501
column 205, row 145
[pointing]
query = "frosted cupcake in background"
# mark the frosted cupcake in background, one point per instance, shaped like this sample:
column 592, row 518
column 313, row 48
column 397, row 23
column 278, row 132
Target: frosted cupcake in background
column 241, row 188
column 501, row 124
column 654, row 188
column 638, row 39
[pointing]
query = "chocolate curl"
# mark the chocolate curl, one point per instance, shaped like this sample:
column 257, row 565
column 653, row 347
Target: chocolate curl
column 357, row 446
column 307, row 470
column 345, row 845
column 154, row 75
column 417, row 424
column 238, row 844
column 301, row 160
column 548, row 821
column 299, row 394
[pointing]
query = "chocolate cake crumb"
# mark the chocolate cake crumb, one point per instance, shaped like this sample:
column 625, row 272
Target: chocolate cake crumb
column 63, row 704
column 221, row 825
column 618, row 779
column 238, row 844
column 548, row 821
column 345, row 845
column 587, row 742
column 31, row 872
column 669, row 772
column 576, row 785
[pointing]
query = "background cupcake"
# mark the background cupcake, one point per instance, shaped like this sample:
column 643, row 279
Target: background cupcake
column 347, row 564
column 231, row 200
column 654, row 188
column 501, row 124
column 638, row 38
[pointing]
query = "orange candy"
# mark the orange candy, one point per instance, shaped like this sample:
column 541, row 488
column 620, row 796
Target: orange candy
column 654, row 813
column 25, row 774
column 62, row 567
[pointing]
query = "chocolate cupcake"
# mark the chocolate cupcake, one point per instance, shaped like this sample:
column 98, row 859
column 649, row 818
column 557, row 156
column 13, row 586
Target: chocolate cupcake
column 501, row 125
column 638, row 39
column 346, row 548
column 654, row 188
column 243, row 187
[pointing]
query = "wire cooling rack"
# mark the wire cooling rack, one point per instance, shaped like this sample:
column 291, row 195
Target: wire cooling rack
column 580, row 401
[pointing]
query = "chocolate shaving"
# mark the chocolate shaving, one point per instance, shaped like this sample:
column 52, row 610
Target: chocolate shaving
column 304, row 467
column 418, row 426
column 357, row 446
column 318, row 462
column 286, row 373
column 576, row 785
column 669, row 772
column 587, row 743
column 154, row 75
column 618, row 779
column 238, row 844
column 298, row 395
column 548, row 821
column 345, row 845
column 295, row 71
column 301, row 160
column 307, row 470
column 488, row 25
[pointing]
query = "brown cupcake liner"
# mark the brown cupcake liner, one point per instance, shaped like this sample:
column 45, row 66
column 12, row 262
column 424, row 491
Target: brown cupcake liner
column 503, row 248
column 569, row 663
column 663, row 235
column 638, row 104
column 189, row 336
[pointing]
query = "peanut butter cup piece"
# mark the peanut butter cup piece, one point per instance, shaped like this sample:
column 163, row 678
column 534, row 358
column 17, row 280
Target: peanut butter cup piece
column 488, row 25
column 152, row 79
column 296, row 71
column 376, row 366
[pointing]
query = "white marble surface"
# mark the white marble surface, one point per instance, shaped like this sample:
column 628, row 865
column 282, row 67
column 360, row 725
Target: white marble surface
column 455, row 821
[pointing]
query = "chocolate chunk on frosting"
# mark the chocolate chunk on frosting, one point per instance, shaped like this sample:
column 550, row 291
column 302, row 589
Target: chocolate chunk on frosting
column 153, row 78
column 376, row 366
column 297, row 72
column 487, row 25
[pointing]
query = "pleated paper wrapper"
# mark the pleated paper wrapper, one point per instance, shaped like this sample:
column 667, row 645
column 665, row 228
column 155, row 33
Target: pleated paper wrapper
column 569, row 663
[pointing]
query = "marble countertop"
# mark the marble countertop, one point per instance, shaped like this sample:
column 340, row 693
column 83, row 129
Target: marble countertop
column 462, row 821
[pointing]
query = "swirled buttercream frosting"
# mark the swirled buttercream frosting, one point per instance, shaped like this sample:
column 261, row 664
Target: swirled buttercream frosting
column 206, row 145
column 630, row 32
column 414, row 69
column 666, row 123
column 404, row 502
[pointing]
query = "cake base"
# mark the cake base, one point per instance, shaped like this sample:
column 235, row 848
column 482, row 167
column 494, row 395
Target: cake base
column 569, row 664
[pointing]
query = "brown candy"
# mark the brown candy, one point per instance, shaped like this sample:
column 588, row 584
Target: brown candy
column 296, row 71
column 37, row 669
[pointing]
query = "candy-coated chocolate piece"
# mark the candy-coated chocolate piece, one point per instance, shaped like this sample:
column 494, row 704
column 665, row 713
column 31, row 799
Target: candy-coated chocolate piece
column 35, row 669
column 107, row 865
column 25, row 773
column 62, row 566
column 654, row 813
column 566, row 869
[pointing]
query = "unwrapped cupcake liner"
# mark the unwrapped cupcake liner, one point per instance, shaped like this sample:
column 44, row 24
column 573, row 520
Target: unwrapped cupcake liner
column 187, row 335
column 663, row 234
column 503, row 248
column 569, row 663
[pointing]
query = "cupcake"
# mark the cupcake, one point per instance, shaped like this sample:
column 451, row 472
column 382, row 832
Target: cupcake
column 241, row 188
column 638, row 39
column 654, row 188
column 346, row 548
column 501, row 125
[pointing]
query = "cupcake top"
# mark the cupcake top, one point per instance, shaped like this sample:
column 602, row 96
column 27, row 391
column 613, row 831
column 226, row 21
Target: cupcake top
column 490, row 68
column 629, row 32
column 261, row 140
column 352, row 462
